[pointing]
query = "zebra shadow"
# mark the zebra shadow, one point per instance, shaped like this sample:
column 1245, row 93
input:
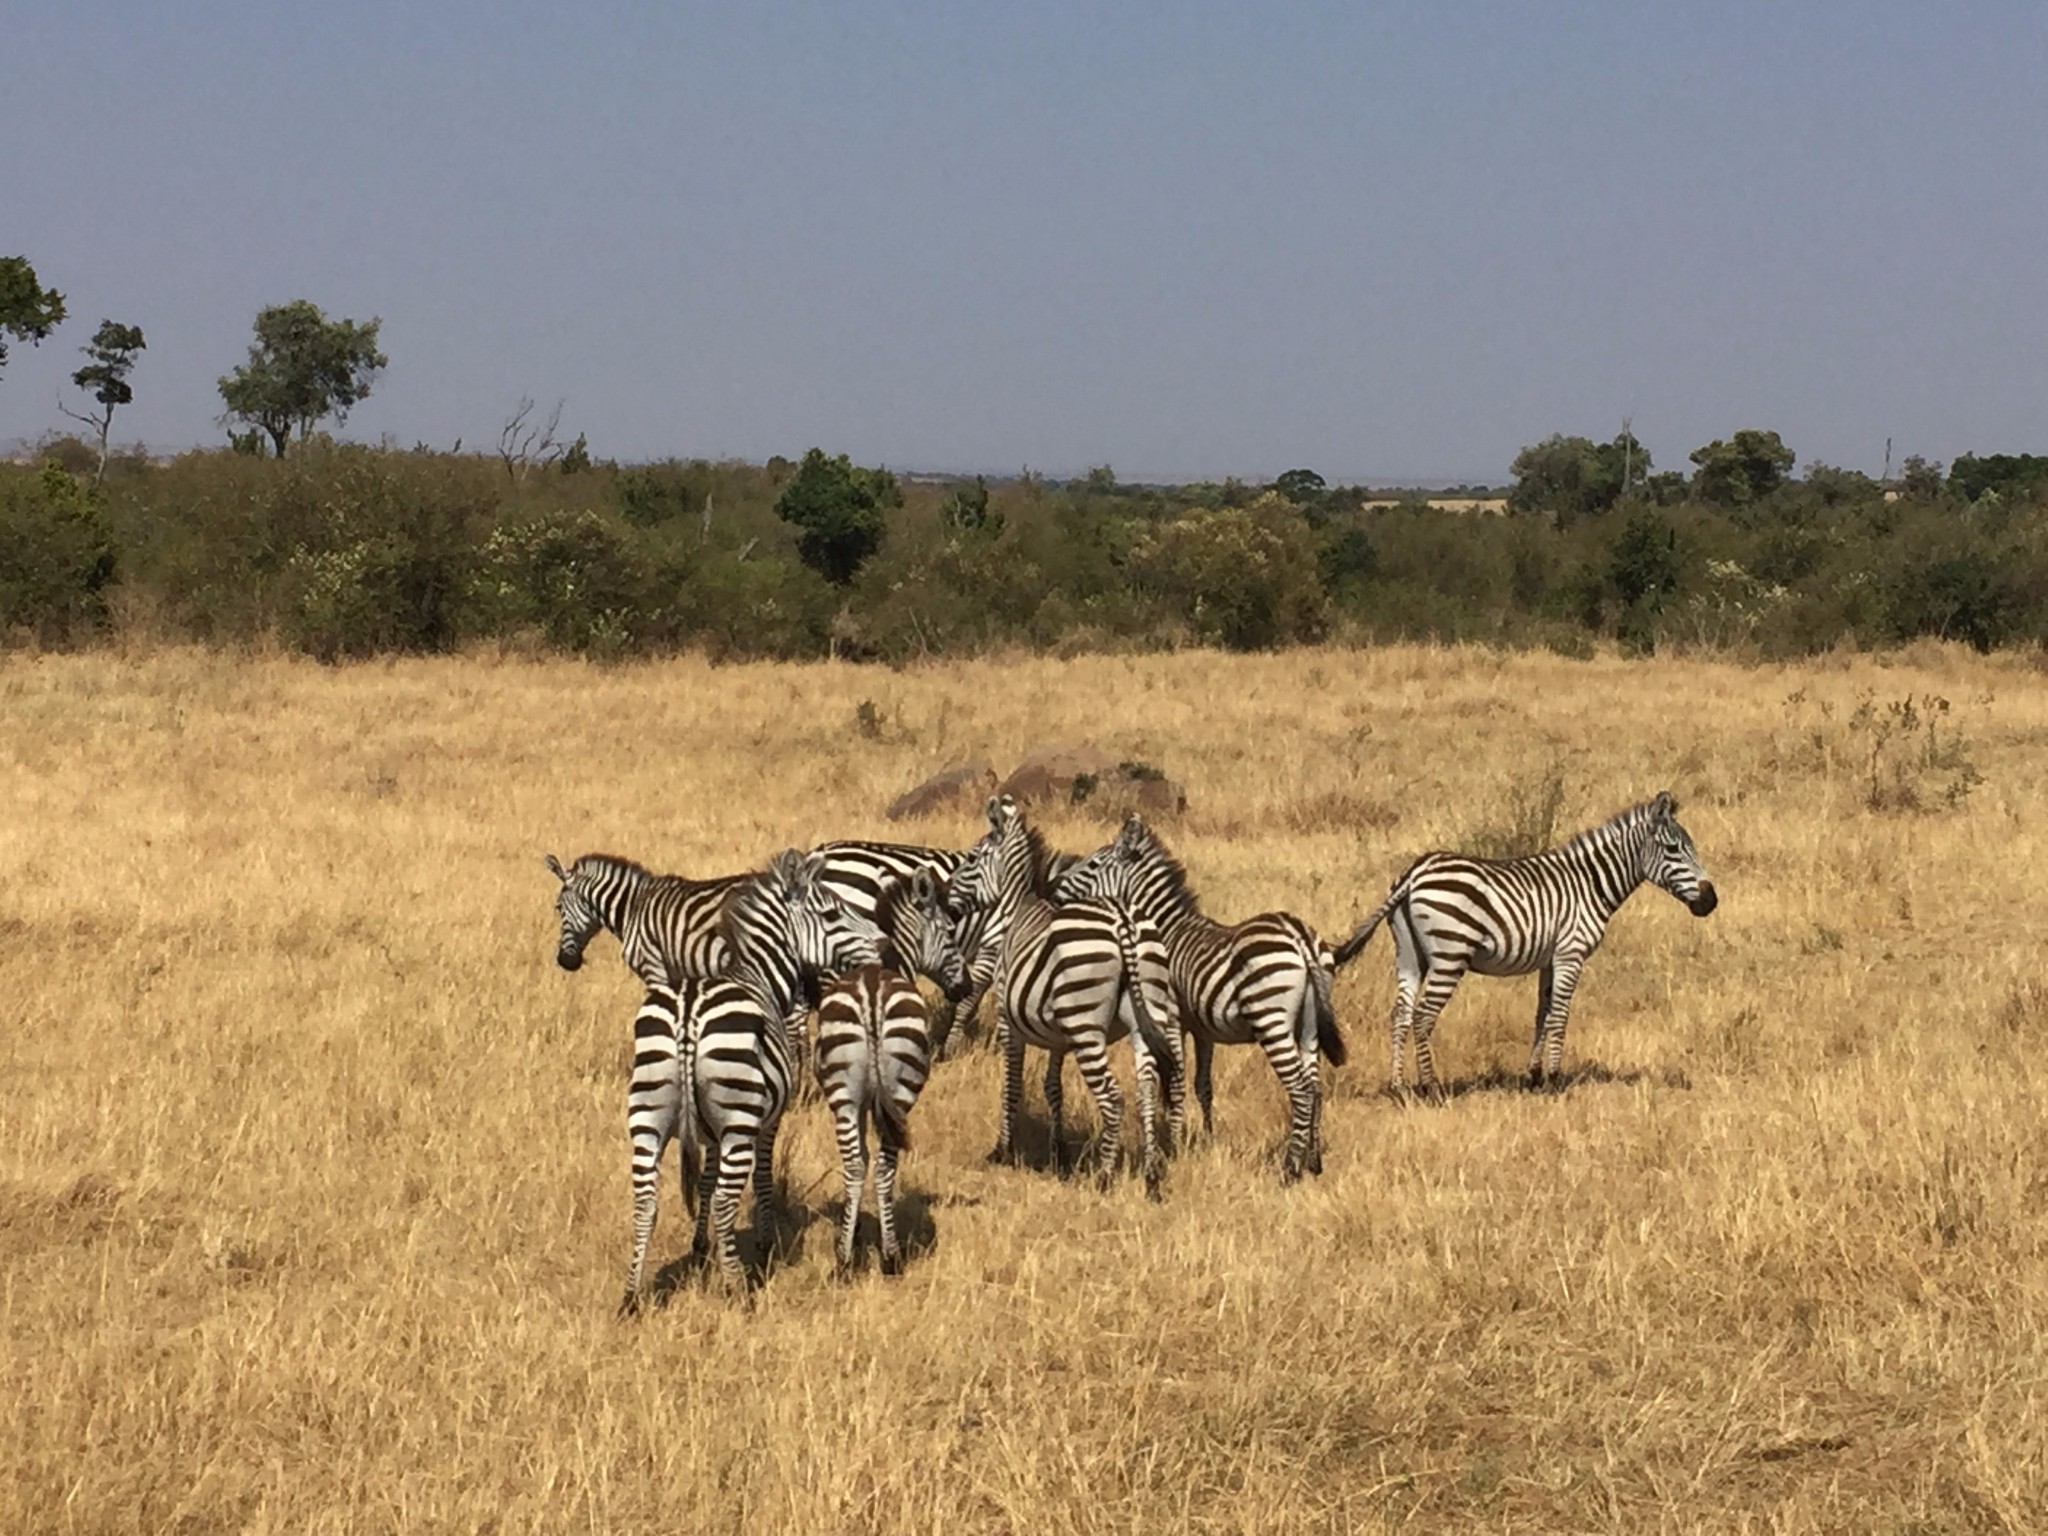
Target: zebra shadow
column 1500, row 1079
column 916, row 1230
column 765, row 1245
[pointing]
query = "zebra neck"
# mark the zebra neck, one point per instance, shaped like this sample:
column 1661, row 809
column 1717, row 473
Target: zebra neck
column 1608, row 868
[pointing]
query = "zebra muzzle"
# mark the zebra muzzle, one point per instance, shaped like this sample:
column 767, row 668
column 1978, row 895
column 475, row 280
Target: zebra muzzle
column 1703, row 903
column 569, row 959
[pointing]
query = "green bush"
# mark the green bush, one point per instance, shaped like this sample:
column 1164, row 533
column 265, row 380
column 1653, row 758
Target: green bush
column 56, row 556
column 1246, row 578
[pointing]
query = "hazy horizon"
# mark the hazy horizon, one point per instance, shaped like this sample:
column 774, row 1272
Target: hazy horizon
column 1191, row 243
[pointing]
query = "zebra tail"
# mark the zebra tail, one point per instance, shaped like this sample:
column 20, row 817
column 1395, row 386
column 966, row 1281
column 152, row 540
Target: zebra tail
column 892, row 1123
column 1149, row 1027
column 1348, row 950
column 1323, row 981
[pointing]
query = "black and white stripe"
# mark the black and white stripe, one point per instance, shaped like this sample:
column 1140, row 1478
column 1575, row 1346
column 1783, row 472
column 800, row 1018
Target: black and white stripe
column 874, row 1051
column 1506, row 917
column 1266, row 980
column 668, row 926
column 1071, row 977
column 862, row 871
column 712, row 1057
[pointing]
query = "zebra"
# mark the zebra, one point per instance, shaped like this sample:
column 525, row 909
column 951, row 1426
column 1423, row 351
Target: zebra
column 712, row 1061
column 1507, row 917
column 1071, row 976
column 1267, row 979
column 668, row 927
column 874, row 1051
column 862, row 871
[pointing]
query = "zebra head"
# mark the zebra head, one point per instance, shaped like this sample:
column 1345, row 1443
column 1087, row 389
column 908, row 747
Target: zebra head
column 1103, row 874
column 1671, row 861
column 934, row 950
column 820, row 932
column 579, row 914
column 977, row 882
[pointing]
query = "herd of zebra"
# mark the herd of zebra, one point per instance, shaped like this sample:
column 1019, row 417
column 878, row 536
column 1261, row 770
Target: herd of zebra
column 1081, row 951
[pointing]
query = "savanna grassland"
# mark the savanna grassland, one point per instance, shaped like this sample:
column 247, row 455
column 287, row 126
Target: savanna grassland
column 313, row 1198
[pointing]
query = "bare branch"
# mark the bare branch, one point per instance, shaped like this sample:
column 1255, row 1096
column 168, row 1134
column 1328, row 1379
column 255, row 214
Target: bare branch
column 523, row 446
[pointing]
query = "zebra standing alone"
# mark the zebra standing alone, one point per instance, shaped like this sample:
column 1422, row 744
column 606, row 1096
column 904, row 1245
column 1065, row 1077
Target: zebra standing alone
column 1267, row 979
column 874, row 1051
column 712, row 1056
column 1071, row 976
column 1507, row 917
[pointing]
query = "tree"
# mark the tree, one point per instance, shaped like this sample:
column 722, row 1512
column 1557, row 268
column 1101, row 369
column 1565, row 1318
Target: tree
column 966, row 510
column 112, row 350
column 1920, row 480
column 1301, row 486
column 841, row 509
column 1566, row 478
column 525, row 445
column 28, row 310
column 1744, row 469
column 1245, row 578
column 2011, row 475
column 302, row 367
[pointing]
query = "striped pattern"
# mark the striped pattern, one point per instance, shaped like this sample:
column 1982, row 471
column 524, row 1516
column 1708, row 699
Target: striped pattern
column 1266, row 980
column 712, row 1057
column 862, row 871
column 874, row 1052
column 1071, row 978
column 668, row 927
column 1507, row 917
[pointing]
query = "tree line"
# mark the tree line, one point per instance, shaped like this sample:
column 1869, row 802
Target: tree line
column 346, row 550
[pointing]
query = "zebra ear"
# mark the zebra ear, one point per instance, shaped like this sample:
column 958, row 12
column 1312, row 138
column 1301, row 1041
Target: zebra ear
column 1133, row 833
column 1666, row 803
column 555, row 868
column 921, row 887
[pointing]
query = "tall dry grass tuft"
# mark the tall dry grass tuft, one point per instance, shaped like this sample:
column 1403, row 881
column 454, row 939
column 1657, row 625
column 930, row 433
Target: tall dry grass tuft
column 313, row 1195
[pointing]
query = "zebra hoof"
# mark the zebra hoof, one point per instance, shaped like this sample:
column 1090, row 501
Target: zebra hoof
column 629, row 1304
column 892, row 1261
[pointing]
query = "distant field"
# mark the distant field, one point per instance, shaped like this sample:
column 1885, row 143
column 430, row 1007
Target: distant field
column 313, row 1199
column 1450, row 503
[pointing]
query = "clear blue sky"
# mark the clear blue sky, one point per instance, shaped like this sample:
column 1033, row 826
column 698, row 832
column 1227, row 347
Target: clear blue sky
column 1391, row 241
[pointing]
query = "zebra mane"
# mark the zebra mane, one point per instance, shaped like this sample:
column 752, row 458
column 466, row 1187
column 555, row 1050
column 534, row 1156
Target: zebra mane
column 1631, row 821
column 1041, row 858
column 599, row 865
column 1175, row 874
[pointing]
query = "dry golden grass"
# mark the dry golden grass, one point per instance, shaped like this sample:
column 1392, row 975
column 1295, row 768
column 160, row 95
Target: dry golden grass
column 313, row 1199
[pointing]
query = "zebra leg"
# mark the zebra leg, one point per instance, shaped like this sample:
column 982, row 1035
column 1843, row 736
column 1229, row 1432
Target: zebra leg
column 1146, row 1074
column 1543, row 985
column 1205, row 1083
column 1564, row 980
column 1437, row 988
column 1092, row 1056
column 853, row 1169
column 767, row 1222
column 707, row 1188
column 649, row 1141
column 957, row 1012
column 735, row 1166
column 1398, row 1027
column 885, row 1199
column 1013, row 1086
column 1056, row 1107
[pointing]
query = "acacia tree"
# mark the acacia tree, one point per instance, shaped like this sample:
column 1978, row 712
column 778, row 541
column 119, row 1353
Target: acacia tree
column 112, row 350
column 28, row 310
column 1565, row 478
column 1745, row 468
column 842, row 511
column 302, row 368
